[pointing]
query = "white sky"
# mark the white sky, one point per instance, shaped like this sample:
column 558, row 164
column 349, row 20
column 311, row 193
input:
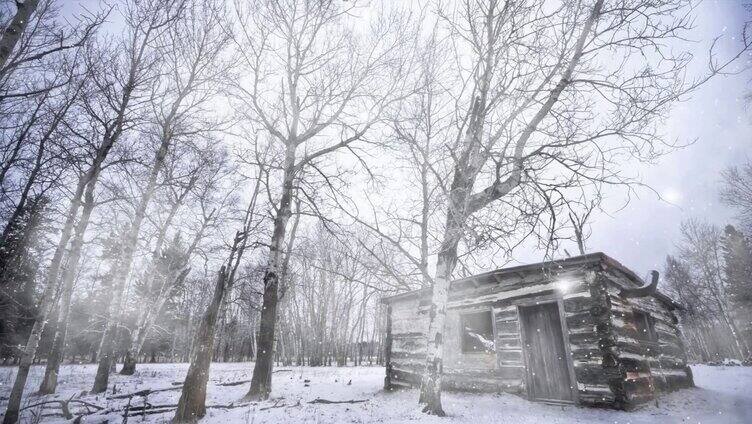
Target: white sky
column 716, row 116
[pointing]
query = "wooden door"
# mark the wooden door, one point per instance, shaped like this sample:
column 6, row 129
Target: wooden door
column 548, row 376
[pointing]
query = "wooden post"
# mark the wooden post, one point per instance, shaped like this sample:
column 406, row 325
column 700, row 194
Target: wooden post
column 388, row 349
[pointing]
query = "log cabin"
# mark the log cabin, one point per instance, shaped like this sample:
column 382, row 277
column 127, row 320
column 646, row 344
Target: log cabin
column 583, row 330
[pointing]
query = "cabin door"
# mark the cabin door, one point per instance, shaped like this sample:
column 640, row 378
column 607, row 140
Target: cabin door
column 543, row 344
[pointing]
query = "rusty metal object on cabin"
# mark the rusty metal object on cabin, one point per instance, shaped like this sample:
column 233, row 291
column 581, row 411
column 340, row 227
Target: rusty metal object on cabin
column 643, row 291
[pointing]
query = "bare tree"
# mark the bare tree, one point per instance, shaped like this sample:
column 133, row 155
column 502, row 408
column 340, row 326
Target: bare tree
column 543, row 112
column 736, row 191
column 580, row 211
column 189, row 52
column 192, row 403
column 160, row 285
column 46, row 301
column 336, row 84
column 701, row 250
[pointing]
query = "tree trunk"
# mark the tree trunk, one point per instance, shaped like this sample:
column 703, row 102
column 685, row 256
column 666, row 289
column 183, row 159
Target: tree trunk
column 26, row 191
column 14, row 30
column 45, row 306
column 741, row 347
column 462, row 183
column 147, row 315
column 261, row 382
column 147, row 321
column 262, row 370
column 430, row 392
column 49, row 383
column 123, row 271
column 192, row 403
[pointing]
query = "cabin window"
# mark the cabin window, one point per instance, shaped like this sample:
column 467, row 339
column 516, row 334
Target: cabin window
column 645, row 327
column 477, row 332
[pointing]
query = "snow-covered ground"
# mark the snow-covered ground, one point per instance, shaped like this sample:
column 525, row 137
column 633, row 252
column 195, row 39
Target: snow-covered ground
column 723, row 395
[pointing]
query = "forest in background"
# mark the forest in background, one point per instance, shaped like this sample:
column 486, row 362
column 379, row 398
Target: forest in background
column 196, row 181
column 710, row 275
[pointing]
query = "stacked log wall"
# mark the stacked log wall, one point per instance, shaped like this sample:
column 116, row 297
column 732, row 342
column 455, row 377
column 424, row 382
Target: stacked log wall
column 505, row 371
column 648, row 367
column 407, row 359
column 608, row 384
column 586, row 311
column 474, row 371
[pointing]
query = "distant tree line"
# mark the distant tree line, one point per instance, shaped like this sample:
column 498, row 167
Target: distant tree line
column 711, row 276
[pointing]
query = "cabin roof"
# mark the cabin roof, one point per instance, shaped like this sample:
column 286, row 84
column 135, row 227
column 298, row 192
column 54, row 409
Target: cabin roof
column 494, row 276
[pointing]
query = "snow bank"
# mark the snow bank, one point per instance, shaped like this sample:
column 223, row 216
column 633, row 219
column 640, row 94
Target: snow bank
column 723, row 395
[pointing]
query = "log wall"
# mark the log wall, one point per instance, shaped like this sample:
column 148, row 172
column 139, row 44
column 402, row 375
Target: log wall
column 648, row 368
column 407, row 359
column 505, row 370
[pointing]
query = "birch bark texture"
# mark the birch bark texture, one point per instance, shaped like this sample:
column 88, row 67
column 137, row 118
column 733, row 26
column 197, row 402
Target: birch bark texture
column 51, row 283
column 13, row 32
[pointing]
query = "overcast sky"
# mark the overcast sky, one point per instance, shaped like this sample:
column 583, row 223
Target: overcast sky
column 717, row 117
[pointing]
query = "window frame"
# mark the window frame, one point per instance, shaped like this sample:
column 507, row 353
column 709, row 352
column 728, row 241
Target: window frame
column 463, row 342
column 649, row 338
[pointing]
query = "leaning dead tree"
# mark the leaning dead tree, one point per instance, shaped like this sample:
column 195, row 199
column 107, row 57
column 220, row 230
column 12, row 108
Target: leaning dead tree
column 542, row 108
column 337, row 80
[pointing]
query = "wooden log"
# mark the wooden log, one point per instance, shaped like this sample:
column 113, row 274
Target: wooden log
column 505, row 315
column 507, row 327
column 507, row 356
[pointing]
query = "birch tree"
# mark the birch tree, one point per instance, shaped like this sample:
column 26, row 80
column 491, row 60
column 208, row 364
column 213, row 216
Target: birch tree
column 736, row 191
column 12, row 33
column 701, row 249
column 161, row 280
column 50, row 283
column 188, row 49
column 544, row 100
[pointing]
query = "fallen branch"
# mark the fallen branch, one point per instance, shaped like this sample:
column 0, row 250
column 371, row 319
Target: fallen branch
column 234, row 383
column 327, row 402
column 145, row 392
column 97, row 407
column 41, row 403
column 230, row 406
column 276, row 405
column 150, row 409
column 63, row 406
column 150, row 406
column 150, row 412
